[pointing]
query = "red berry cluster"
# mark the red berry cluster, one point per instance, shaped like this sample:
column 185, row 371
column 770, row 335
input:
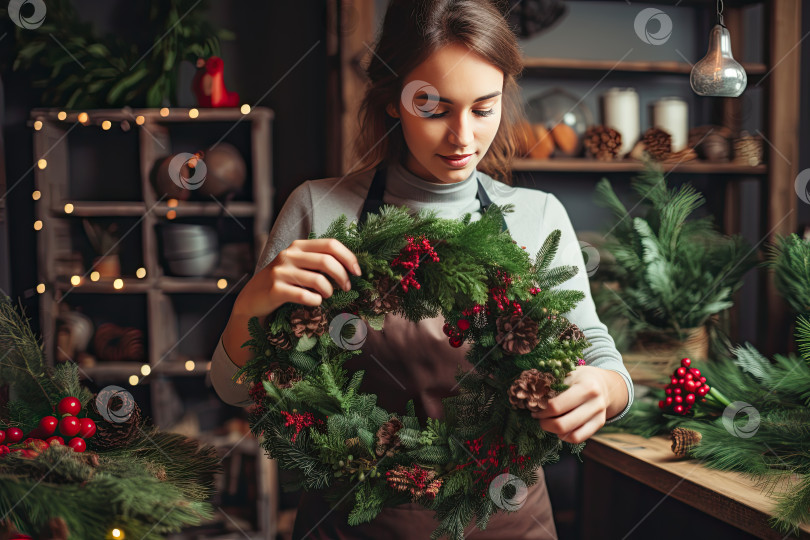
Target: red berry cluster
column 685, row 387
column 300, row 421
column 487, row 465
column 456, row 333
column 498, row 294
column 44, row 435
column 409, row 259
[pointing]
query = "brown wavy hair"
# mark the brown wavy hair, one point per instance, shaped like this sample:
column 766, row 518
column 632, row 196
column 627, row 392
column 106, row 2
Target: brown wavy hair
column 413, row 30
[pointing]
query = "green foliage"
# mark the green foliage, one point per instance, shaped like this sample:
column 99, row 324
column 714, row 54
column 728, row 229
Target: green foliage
column 80, row 69
column 157, row 484
column 789, row 259
column 772, row 445
column 336, row 451
column 674, row 273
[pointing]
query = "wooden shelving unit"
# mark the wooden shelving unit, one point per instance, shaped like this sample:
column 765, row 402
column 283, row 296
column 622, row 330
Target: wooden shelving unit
column 160, row 300
column 52, row 142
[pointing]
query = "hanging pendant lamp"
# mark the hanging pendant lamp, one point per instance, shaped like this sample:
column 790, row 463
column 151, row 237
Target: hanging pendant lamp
column 717, row 73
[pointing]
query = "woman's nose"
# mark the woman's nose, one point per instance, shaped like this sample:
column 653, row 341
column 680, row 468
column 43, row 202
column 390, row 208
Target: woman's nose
column 461, row 132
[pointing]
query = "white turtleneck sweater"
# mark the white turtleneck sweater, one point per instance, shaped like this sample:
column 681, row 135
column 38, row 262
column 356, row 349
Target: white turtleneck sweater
column 313, row 205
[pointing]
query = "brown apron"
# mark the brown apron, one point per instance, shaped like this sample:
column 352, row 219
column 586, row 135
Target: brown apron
column 408, row 360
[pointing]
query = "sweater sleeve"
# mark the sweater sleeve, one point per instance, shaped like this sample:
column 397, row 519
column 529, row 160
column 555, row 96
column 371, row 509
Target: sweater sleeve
column 293, row 222
column 602, row 353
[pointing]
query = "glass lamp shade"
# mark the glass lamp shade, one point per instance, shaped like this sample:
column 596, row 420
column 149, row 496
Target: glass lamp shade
column 717, row 73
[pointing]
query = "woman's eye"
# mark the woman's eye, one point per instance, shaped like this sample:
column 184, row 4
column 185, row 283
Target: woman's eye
column 489, row 112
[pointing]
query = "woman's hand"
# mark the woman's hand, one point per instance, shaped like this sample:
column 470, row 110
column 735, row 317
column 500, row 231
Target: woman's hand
column 298, row 275
column 593, row 396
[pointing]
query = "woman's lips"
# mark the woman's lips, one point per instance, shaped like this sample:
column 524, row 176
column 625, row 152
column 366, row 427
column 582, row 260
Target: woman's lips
column 457, row 160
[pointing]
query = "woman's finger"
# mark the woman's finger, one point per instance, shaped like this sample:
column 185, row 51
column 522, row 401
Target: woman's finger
column 335, row 248
column 321, row 262
column 309, row 279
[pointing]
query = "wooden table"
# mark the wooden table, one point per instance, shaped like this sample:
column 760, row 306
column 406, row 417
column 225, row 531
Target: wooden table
column 697, row 502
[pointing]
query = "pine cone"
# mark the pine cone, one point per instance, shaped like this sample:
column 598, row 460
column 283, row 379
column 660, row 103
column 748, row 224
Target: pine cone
column 387, row 438
column 517, row 334
column 417, row 481
column 684, row 440
column 386, row 299
column 532, row 390
column 280, row 340
column 110, row 435
column 658, row 143
column 308, row 320
column 572, row 332
column 602, row 142
column 282, row 377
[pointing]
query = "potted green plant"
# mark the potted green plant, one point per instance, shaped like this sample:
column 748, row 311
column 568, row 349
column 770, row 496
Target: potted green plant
column 675, row 275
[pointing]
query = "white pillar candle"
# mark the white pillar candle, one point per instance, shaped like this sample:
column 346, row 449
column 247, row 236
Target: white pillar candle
column 672, row 115
column 621, row 112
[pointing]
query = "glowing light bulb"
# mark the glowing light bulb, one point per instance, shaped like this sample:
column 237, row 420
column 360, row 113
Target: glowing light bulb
column 193, row 113
column 37, row 125
column 42, row 163
column 41, row 288
column 222, row 283
column 245, row 108
column 189, row 365
column 62, row 115
column 106, row 124
column 36, row 195
column 83, row 117
column 140, row 120
column 94, row 276
column 118, row 284
column 164, row 112
column 133, row 380
column 38, row 225
column 69, row 208
column 140, row 273
column 75, row 280
column 145, row 370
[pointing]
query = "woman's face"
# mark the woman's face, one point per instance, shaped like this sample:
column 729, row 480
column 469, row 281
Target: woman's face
column 450, row 106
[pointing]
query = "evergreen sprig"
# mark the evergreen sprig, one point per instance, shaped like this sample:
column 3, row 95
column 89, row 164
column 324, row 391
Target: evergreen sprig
column 326, row 431
column 674, row 272
column 789, row 258
column 156, row 484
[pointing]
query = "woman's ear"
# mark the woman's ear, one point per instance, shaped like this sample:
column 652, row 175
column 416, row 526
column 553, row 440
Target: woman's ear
column 392, row 111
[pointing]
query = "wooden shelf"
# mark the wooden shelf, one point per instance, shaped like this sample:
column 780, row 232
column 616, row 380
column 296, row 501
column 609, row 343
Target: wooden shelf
column 123, row 370
column 132, row 285
column 631, row 165
column 96, row 116
column 572, row 66
column 134, row 208
column 169, row 284
column 208, row 209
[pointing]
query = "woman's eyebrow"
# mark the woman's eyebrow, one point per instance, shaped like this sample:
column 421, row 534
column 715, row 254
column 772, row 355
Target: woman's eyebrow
column 431, row 97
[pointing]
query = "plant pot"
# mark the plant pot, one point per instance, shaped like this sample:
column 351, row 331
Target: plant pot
column 108, row 266
column 656, row 354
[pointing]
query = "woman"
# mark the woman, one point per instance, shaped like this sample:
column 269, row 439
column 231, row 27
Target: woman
column 438, row 128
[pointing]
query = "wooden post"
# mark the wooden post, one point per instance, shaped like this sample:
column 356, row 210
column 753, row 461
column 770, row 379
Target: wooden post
column 782, row 151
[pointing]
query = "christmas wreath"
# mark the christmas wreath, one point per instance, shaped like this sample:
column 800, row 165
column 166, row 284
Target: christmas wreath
column 78, row 465
column 313, row 419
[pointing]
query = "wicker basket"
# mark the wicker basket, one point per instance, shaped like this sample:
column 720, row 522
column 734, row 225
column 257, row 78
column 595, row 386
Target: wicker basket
column 656, row 354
